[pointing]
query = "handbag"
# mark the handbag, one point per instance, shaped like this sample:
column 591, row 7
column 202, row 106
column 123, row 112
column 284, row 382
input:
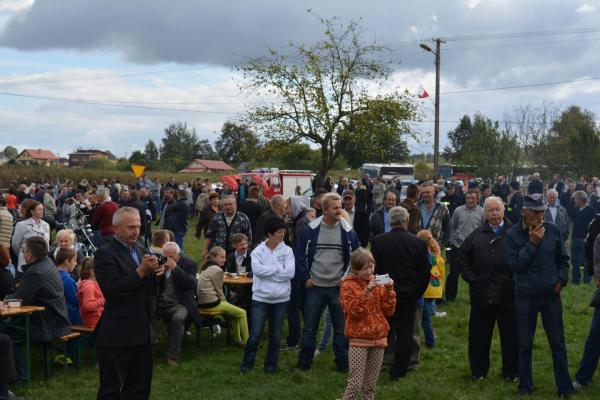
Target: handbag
column 595, row 299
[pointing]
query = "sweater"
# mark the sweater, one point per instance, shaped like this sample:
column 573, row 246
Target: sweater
column 464, row 221
column 91, row 302
column 6, row 227
column 366, row 313
column 71, row 297
column 210, row 287
column 103, row 217
column 272, row 271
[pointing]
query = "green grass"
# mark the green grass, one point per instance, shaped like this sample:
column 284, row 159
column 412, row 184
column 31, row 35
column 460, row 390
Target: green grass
column 213, row 372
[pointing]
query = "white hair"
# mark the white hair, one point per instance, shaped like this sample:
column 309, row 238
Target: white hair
column 551, row 191
column 116, row 220
column 171, row 246
column 398, row 216
column 493, row 199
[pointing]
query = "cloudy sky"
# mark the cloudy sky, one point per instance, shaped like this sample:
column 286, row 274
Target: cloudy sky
column 135, row 56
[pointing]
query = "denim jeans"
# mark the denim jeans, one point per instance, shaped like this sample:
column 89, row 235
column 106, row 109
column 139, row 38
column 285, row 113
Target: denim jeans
column 315, row 300
column 591, row 352
column 550, row 307
column 293, row 313
column 327, row 331
column 426, row 324
column 261, row 312
column 179, row 239
column 578, row 260
column 158, row 204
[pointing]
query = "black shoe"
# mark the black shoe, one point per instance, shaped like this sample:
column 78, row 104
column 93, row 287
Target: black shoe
column 302, row 366
column 342, row 368
column 565, row 395
column 270, row 370
column 511, row 379
column 244, row 369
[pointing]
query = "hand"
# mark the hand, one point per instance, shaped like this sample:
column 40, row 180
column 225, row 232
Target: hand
column 372, row 283
column 537, row 234
column 159, row 270
column 170, row 264
column 309, row 283
column 558, row 287
column 390, row 284
column 149, row 264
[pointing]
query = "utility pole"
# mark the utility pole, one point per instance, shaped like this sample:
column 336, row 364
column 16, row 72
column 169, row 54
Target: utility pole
column 436, row 140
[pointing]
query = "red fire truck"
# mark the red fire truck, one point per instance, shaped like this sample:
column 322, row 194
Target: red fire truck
column 273, row 181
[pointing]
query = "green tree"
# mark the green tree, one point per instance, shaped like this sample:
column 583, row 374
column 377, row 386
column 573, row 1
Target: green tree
column 205, row 150
column 284, row 155
column 151, row 154
column 237, row 143
column 10, row 152
column 179, row 146
column 137, row 157
column 479, row 143
column 320, row 90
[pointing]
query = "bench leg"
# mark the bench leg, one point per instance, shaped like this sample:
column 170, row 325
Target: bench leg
column 47, row 361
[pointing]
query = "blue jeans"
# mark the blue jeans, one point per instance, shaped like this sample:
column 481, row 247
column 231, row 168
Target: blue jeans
column 315, row 300
column 327, row 330
column 550, row 307
column 591, row 352
column 293, row 313
column 261, row 312
column 578, row 260
column 428, row 312
column 179, row 238
column 158, row 204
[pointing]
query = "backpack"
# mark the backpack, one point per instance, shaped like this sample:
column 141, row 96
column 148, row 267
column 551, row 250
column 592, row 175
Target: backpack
column 593, row 231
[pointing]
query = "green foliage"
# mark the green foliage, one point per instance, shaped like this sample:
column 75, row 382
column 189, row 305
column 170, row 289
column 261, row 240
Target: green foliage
column 322, row 94
column 137, row 157
column 236, row 144
column 10, row 152
column 151, row 154
column 422, row 170
column 180, row 146
column 284, row 155
column 100, row 164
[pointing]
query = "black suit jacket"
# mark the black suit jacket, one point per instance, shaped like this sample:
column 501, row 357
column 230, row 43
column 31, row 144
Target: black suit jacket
column 362, row 226
column 128, row 318
column 231, row 265
column 184, row 279
column 406, row 259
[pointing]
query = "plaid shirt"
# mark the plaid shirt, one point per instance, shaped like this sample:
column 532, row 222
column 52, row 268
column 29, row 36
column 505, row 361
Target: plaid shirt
column 221, row 233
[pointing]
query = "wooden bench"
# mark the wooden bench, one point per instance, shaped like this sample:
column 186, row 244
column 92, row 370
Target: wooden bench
column 61, row 341
column 81, row 329
column 205, row 314
column 84, row 331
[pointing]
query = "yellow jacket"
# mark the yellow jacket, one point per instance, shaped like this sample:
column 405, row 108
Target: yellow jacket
column 437, row 279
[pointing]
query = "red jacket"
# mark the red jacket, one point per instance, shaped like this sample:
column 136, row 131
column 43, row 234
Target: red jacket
column 103, row 217
column 91, row 302
column 365, row 313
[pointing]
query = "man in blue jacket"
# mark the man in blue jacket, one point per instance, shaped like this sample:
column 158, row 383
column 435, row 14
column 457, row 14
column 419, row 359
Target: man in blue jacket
column 540, row 264
column 322, row 257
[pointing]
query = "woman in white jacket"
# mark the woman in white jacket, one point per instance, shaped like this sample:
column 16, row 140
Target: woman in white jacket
column 273, row 268
column 33, row 225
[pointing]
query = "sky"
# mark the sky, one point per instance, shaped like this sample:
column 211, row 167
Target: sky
column 180, row 56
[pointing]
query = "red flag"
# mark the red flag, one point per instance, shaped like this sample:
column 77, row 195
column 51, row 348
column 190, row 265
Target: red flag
column 422, row 93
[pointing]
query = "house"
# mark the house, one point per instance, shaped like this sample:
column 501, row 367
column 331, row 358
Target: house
column 80, row 157
column 199, row 166
column 37, row 157
column 4, row 158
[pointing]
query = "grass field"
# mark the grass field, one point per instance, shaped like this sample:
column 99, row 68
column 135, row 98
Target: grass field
column 213, row 372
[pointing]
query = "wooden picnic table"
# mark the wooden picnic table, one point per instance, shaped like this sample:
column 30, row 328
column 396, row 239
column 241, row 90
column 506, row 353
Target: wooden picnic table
column 23, row 312
column 237, row 281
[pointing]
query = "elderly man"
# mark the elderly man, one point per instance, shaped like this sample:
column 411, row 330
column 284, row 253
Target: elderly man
column 225, row 224
column 540, row 264
column 556, row 213
column 322, row 260
column 557, row 184
column 405, row 258
column 103, row 216
column 484, row 266
column 177, row 300
column 125, row 335
column 277, row 210
column 501, row 189
column 435, row 216
column 535, row 184
column 465, row 220
column 583, row 214
column 380, row 219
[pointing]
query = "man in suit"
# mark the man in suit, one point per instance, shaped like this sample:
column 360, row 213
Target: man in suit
column 501, row 189
column 405, row 258
column 127, row 275
column 177, row 301
column 359, row 219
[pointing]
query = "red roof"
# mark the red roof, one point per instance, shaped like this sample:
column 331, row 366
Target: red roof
column 203, row 165
column 40, row 154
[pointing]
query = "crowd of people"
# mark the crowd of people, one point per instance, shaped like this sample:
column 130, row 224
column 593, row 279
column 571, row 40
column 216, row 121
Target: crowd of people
column 372, row 263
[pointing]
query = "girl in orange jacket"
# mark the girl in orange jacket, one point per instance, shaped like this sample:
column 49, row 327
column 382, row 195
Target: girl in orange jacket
column 366, row 305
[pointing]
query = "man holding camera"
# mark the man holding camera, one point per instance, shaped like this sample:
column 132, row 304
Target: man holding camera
column 128, row 277
column 177, row 301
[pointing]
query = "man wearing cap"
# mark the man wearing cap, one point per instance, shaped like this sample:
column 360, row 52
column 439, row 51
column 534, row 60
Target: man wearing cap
column 540, row 264
column 359, row 219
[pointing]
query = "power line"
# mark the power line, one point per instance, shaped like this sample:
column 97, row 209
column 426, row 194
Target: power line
column 522, row 86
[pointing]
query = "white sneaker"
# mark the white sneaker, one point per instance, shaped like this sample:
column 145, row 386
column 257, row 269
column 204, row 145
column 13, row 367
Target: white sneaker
column 577, row 385
column 216, row 330
column 440, row 314
column 317, row 352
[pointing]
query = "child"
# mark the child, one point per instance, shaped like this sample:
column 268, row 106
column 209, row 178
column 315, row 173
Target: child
column 211, row 297
column 240, row 262
column 66, row 259
column 366, row 306
column 436, row 286
column 91, row 299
